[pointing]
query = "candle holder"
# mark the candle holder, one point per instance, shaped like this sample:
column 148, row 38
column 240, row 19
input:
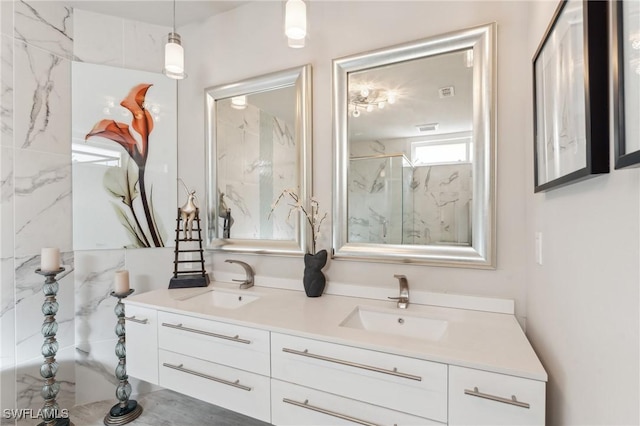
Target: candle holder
column 48, row 370
column 126, row 410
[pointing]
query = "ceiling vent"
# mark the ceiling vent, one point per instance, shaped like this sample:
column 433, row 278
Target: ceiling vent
column 427, row 127
column 446, row 92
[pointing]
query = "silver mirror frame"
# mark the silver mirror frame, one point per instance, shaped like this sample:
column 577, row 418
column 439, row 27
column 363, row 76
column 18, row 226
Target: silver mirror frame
column 301, row 78
column 482, row 253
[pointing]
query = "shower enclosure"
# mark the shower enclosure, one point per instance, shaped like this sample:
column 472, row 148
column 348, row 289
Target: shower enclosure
column 393, row 202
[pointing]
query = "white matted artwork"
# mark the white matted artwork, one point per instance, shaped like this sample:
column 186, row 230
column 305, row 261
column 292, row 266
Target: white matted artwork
column 124, row 155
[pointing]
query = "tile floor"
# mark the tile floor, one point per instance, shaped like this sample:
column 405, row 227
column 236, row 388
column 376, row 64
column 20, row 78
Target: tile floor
column 163, row 408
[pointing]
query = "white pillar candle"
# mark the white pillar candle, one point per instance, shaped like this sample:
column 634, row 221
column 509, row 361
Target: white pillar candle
column 50, row 259
column 122, row 281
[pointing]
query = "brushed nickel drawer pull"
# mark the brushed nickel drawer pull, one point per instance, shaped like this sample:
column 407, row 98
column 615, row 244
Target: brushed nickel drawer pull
column 512, row 401
column 134, row 319
column 235, row 338
column 306, row 405
column 235, row 384
column 393, row 372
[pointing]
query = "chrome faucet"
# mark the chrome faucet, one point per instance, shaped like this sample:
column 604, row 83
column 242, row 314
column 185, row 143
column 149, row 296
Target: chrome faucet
column 403, row 299
column 248, row 281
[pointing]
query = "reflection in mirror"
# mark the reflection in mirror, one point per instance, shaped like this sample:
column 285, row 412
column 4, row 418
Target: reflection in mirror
column 415, row 143
column 259, row 145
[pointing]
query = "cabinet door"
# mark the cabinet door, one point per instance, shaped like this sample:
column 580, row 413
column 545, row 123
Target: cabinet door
column 238, row 390
column 482, row 398
column 142, row 343
column 403, row 384
column 293, row 405
column 228, row 344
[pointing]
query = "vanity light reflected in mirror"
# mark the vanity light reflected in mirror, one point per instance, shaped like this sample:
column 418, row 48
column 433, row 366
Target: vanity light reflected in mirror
column 259, row 143
column 414, row 129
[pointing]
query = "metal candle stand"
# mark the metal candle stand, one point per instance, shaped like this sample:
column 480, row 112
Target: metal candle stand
column 49, row 368
column 126, row 410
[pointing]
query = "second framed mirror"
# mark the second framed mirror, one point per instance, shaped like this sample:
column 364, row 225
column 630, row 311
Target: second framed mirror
column 259, row 144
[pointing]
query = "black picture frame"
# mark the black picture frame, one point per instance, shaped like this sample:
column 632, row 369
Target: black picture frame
column 571, row 115
column 623, row 64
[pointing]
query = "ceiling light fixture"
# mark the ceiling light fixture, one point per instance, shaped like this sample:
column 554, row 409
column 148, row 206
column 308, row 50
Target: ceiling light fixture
column 295, row 23
column 368, row 99
column 174, row 53
column 239, row 102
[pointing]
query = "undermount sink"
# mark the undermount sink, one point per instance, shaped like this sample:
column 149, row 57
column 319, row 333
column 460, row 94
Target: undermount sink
column 395, row 322
column 223, row 299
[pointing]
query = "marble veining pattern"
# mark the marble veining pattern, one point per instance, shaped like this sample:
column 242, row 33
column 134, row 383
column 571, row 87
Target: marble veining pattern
column 435, row 201
column 6, row 90
column 29, row 299
column 98, row 38
column 42, row 102
column 42, row 202
column 29, row 382
column 46, row 25
column 144, row 47
column 94, row 277
column 251, row 189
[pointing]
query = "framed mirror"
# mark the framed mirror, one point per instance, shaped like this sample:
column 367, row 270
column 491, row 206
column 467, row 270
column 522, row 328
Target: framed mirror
column 414, row 134
column 258, row 145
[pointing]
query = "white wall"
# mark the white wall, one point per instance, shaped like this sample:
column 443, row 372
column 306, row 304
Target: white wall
column 582, row 302
column 249, row 41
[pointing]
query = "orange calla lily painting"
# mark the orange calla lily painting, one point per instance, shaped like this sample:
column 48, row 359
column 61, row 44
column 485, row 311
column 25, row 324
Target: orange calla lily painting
column 128, row 128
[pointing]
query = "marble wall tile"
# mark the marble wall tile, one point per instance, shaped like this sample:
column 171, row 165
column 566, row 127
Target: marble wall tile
column 6, row 17
column 42, row 202
column 42, row 105
column 95, row 373
column 46, row 25
column 7, row 392
column 6, row 89
column 144, row 47
column 29, row 299
column 29, row 382
column 7, row 314
column 6, row 202
column 98, row 38
column 150, row 268
column 94, row 276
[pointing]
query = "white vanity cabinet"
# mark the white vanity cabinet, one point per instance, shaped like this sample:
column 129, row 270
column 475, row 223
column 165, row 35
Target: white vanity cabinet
column 142, row 343
column 220, row 363
column 279, row 366
column 483, row 398
column 408, row 385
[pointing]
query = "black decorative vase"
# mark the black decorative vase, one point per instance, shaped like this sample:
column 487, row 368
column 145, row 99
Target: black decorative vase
column 314, row 280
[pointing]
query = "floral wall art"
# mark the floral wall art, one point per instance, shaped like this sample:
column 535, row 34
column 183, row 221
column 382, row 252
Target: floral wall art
column 123, row 158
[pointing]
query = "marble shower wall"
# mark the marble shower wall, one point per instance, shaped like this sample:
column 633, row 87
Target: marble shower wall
column 37, row 41
column 257, row 160
column 392, row 204
column 113, row 41
column 38, row 44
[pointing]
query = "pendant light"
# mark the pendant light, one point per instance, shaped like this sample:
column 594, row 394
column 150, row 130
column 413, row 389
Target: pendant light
column 295, row 23
column 174, row 53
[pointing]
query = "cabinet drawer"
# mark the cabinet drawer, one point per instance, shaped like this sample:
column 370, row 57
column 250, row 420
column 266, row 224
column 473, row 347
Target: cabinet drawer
column 227, row 344
column 227, row 387
column 141, row 342
column 483, row 398
column 293, row 405
column 403, row 384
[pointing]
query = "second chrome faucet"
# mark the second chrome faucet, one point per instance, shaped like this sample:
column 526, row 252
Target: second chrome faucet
column 248, row 281
column 403, row 299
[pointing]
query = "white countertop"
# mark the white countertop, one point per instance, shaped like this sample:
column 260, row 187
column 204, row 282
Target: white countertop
column 482, row 340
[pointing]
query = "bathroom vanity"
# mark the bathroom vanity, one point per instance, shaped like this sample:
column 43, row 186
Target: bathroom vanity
column 283, row 358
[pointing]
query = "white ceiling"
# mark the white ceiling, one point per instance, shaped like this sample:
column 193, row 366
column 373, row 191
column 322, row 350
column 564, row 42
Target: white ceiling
column 159, row 12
